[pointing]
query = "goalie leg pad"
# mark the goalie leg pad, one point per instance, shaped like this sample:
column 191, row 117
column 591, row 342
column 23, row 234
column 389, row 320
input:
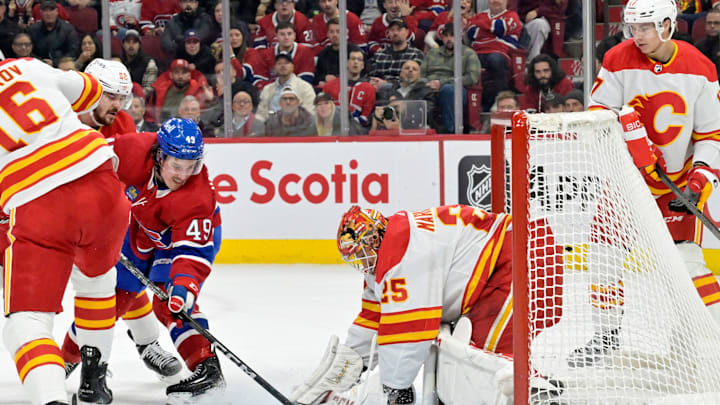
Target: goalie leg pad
column 339, row 369
column 470, row 375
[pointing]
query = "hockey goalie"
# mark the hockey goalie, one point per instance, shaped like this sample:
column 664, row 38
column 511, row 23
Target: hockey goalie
column 424, row 270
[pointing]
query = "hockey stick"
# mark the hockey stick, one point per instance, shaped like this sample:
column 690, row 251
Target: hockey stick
column 687, row 203
column 185, row 317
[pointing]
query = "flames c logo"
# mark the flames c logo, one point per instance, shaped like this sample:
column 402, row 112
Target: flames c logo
column 660, row 130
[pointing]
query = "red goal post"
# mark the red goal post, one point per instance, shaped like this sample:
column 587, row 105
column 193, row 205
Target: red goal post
column 593, row 259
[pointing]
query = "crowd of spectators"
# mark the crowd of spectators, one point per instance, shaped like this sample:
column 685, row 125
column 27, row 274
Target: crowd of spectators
column 285, row 59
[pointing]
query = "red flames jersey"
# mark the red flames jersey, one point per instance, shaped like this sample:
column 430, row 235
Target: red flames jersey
column 265, row 36
column 361, row 96
column 677, row 103
column 433, row 266
column 356, row 31
column 377, row 39
column 495, row 34
column 43, row 144
column 183, row 219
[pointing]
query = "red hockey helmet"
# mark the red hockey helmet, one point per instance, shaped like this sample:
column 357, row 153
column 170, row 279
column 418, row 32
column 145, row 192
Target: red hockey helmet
column 359, row 237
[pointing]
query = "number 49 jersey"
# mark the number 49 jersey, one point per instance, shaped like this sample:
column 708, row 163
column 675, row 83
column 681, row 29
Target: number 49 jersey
column 43, row 144
column 677, row 102
column 432, row 267
column 186, row 222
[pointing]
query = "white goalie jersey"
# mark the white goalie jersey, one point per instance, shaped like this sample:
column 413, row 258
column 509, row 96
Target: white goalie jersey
column 677, row 101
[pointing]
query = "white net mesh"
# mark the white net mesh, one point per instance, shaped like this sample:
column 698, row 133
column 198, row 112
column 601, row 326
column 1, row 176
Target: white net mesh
column 614, row 315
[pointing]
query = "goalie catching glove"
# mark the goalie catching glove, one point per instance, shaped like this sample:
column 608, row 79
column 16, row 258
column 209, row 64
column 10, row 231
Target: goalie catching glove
column 702, row 181
column 339, row 369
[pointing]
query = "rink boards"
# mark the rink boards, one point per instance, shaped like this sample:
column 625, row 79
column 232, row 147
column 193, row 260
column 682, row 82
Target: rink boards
column 281, row 200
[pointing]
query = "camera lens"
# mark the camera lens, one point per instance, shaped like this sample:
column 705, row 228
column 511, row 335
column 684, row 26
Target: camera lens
column 388, row 113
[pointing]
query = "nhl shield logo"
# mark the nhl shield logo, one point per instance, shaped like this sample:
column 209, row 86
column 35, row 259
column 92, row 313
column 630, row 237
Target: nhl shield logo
column 479, row 186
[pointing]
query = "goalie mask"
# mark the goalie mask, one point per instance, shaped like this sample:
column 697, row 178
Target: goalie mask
column 359, row 237
column 114, row 78
column 650, row 11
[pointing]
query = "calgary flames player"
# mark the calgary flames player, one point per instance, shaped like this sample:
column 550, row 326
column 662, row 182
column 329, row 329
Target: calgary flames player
column 673, row 89
column 422, row 269
column 109, row 118
column 65, row 206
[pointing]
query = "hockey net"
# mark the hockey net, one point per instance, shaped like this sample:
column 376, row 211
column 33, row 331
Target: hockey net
column 604, row 306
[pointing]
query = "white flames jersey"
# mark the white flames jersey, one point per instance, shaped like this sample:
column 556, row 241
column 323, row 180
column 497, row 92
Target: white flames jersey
column 676, row 101
column 43, row 144
column 432, row 267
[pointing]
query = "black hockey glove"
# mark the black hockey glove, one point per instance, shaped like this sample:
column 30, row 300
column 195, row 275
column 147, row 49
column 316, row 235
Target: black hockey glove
column 399, row 396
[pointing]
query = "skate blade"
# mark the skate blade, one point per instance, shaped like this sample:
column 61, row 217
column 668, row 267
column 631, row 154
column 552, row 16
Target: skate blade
column 170, row 379
column 214, row 396
column 76, row 401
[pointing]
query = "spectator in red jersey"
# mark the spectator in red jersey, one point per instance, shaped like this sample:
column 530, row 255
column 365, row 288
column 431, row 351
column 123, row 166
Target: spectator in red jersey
column 544, row 79
column 284, row 12
column 172, row 86
column 320, row 23
column 173, row 37
column 143, row 69
column 379, row 37
column 197, row 54
column 495, row 34
column 302, row 56
column 270, row 95
column 432, row 38
column 361, row 94
column 385, row 65
column 537, row 15
column 154, row 15
column 425, row 11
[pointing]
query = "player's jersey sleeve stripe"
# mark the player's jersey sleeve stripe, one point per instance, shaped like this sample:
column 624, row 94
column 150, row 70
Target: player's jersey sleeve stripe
column 409, row 326
column 369, row 316
column 485, row 265
column 90, row 94
column 52, row 158
column 706, row 136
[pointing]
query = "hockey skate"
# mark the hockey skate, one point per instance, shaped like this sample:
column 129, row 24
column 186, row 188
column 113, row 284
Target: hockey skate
column 205, row 382
column 163, row 363
column 593, row 353
column 93, row 389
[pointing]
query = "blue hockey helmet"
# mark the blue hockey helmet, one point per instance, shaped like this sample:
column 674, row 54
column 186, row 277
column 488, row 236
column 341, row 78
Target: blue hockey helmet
column 181, row 139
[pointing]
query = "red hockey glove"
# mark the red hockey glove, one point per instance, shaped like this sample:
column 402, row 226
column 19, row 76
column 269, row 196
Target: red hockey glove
column 642, row 150
column 702, row 181
column 182, row 293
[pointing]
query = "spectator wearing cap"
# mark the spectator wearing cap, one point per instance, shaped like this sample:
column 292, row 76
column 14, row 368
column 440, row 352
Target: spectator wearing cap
column 361, row 94
column 143, row 69
column 553, row 103
column 495, row 35
column 190, row 18
column 438, row 71
column 574, row 101
column 270, row 95
column 385, row 64
column 137, row 112
column 291, row 119
column 8, row 29
column 171, row 88
column 53, row 37
column 379, row 36
column 330, row 14
column 90, row 49
column 244, row 121
column 284, row 12
column 302, row 56
column 196, row 53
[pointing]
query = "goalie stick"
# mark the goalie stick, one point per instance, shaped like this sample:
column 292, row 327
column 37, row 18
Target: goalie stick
column 687, row 203
column 185, row 317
